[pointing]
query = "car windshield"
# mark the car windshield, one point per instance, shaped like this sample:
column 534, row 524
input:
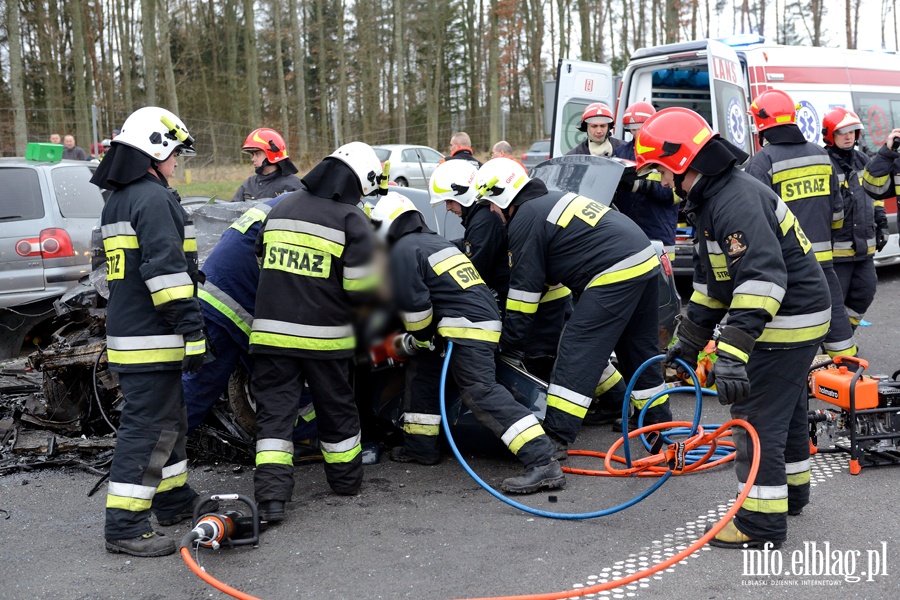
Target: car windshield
column 542, row 146
column 383, row 154
column 21, row 195
column 77, row 196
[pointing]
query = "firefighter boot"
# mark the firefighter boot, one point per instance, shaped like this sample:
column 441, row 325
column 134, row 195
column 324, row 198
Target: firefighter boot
column 549, row 477
column 654, row 415
column 188, row 512
column 148, row 545
column 271, row 510
column 607, row 407
column 734, row 538
column 400, row 454
column 561, row 445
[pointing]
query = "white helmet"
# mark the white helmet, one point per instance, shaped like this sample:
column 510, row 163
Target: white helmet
column 454, row 180
column 500, row 180
column 389, row 207
column 361, row 158
column 156, row 132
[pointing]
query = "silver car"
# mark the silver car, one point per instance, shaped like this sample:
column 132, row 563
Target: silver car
column 411, row 166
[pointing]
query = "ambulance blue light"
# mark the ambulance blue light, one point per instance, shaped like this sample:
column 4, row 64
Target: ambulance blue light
column 742, row 39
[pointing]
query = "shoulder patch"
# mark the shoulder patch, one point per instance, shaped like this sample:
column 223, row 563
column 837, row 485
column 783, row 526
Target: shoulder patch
column 736, row 243
column 468, row 248
column 510, row 259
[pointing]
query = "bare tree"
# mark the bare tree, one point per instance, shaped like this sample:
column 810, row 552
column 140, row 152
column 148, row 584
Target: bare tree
column 400, row 63
column 279, row 70
column 15, row 76
column 299, row 78
column 254, row 110
column 82, row 116
column 168, row 70
column 148, row 43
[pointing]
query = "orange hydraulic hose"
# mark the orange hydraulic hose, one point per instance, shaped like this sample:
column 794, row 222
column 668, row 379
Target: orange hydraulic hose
column 722, row 431
column 222, row 587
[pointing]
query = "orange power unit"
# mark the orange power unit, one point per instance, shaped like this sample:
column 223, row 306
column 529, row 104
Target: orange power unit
column 833, row 386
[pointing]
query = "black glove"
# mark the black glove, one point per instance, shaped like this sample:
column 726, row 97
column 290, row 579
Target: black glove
column 729, row 374
column 194, row 351
column 515, row 357
column 881, row 237
column 689, row 339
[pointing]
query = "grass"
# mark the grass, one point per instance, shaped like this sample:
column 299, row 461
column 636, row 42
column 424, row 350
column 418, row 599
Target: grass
column 216, row 181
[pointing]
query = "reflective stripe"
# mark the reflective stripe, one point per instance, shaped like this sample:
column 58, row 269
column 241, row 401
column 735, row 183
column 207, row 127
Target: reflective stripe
column 308, row 413
column 452, row 262
column 144, row 349
column 421, row 424
column 608, row 379
column 757, row 294
column 360, row 278
column 796, row 328
column 878, row 203
column 802, row 161
column 192, row 348
column 118, row 228
column 634, row 266
column 521, row 432
column 254, row 215
column 560, row 207
column 701, row 296
column 226, row 305
column 283, row 334
column 170, row 483
column 843, row 249
column 568, row 401
column 765, row 492
column 343, row 451
column 823, row 250
column 417, row 429
column 442, row 255
column 797, row 472
column 273, row 451
column 876, row 185
column 733, row 350
column 531, row 297
column 417, row 321
column 119, row 236
column 798, row 479
column 306, row 234
column 555, row 293
column 173, row 470
column 129, row 496
column 766, row 498
column 640, row 397
column 462, row 328
column 174, row 286
column 274, row 444
column 303, row 240
column 521, row 301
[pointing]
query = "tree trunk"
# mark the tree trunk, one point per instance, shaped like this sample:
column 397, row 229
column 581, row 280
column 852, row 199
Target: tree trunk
column 82, row 114
column 20, row 125
column 126, row 55
column 254, row 112
column 231, row 58
column 672, row 21
column 168, row 70
column 148, row 42
column 494, row 71
column 762, row 17
column 299, row 78
column 342, row 111
column 321, row 66
column 400, row 62
column 279, row 72
column 584, row 20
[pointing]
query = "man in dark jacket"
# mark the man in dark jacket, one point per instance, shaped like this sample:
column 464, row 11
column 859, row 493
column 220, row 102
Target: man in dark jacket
column 439, row 292
column 754, row 265
column 597, row 121
column 275, row 173
column 461, row 149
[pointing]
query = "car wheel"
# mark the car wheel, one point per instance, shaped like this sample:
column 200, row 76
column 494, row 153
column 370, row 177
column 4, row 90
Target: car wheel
column 402, row 182
column 240, row 401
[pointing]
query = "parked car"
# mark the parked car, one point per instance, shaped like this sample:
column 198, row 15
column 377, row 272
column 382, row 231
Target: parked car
column 411, row 166
column 538, row 153
column 46, row 215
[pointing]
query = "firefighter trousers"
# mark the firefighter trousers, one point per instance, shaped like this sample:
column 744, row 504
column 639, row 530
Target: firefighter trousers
column 777, row 408
column 858, row 281
column 621, row 316
column 149, row 467
column 839, row 339
column 204, row 388
column 275, row 385
column 473, row 369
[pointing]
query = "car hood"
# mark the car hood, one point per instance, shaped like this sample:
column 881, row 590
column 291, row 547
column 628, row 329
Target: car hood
column 592, row 176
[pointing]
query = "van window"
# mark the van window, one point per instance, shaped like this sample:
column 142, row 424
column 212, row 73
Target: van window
column 20, row 191
column 76, row 195
column 571, row 117
column 879, row 114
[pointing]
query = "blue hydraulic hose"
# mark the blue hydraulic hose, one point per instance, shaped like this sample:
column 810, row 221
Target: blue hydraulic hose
column 534, row 511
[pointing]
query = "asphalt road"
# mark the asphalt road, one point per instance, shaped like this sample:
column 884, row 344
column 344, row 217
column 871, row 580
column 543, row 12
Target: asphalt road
column 431, row 533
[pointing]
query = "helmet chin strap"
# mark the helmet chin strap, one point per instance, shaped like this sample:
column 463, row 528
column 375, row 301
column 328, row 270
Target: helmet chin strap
column 679, row 179
column 154, row 164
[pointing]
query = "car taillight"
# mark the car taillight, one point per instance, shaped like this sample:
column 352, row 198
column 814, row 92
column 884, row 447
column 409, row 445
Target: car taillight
column 666, row 264
column 547, row 156
column 524, row 156
column 53, row 243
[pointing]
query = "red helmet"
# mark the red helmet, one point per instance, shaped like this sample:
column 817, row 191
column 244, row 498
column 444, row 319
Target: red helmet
column 671, row 138
column 636, row 114
column 269, row 141
column 773, row 108
column 839, row 120
column 598, row 111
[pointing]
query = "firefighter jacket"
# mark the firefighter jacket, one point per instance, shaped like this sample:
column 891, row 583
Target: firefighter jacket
column 584, row 147
column 655, row 212
column 485, row 246
column 228, row 295
column 463, row 153
column 881, row 178
column 862, row 215
column 803, row 177
column 563, row 239
column 261, row 187
column 151, row 258
column 436, row 288
column 316, row 264
column 753, row 262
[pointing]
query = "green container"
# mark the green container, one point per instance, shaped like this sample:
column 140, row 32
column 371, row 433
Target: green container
column 44, row 152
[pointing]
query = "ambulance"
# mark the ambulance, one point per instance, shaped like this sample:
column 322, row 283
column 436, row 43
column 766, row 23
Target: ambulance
column 719, row 79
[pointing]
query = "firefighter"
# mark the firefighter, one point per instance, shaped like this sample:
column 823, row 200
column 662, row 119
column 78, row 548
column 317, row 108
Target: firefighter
column 316, row 252
column 865, row 227
column 802, row 175
column 154, row 329
column 754, row 265
column 275, row 173
column 227, row 300
column 597, row 122
column 650, row 205
column 567, row 239
column 461, row 149
column 439, row 293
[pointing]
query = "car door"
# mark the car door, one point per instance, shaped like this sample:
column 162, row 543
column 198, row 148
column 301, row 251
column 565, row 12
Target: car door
column 409, row 159
column 430, row 160
column 728, row 96
column 22, row 218
column 578, row 84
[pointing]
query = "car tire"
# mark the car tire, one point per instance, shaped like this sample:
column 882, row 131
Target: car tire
column 402, row 182
column 240, row 401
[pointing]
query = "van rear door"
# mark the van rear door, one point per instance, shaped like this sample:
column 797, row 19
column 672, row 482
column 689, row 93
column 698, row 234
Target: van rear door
column 578, row 84
column 728, row 96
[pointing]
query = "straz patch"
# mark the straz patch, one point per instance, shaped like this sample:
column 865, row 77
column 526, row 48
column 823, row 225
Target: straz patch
column 735, row 244
column 467, row 248
column 585, row 209
column 297, row 260
column 115, row 264
column 805, row 187
column 465, row 275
